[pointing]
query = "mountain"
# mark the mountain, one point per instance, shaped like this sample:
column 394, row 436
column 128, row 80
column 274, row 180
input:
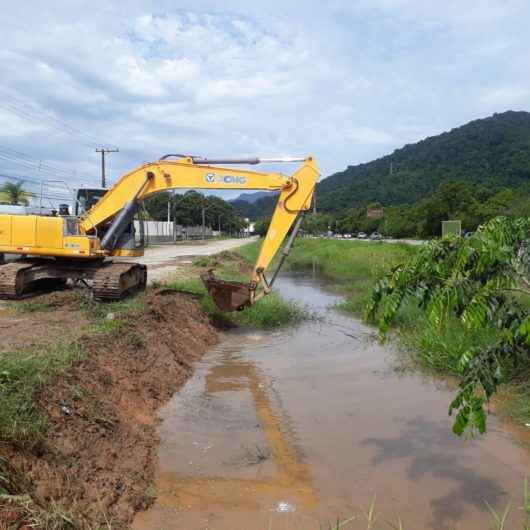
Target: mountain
column 251, row 197
column 493, row 151
column 261, row 207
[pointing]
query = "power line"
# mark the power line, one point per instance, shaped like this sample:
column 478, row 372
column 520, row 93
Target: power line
column 25, row 160
column 9, row 173
column 42, row 120
column 23, row 111
column 50, row 193
column 23, row 178
column 20, row 178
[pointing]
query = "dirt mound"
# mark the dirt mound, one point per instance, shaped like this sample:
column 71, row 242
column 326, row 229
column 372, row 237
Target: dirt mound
column 40, row 319
column 100, row 451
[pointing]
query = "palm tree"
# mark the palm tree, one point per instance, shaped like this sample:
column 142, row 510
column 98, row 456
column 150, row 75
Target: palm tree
column 14, row 193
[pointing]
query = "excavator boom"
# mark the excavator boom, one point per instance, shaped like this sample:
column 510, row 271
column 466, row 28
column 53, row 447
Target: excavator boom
column 102, row 231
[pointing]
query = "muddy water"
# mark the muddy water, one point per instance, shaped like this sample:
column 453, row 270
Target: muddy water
column 296, row 428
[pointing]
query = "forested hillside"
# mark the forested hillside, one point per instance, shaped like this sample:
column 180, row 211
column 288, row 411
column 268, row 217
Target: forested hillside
column 493, row 153
column 258, row 209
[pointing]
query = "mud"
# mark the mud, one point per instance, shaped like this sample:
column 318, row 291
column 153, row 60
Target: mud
column 99, row 455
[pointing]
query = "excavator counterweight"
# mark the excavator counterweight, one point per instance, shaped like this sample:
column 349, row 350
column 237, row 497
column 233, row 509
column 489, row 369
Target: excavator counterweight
column 80, row 248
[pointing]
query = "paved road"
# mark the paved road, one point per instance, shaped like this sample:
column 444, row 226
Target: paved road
column 161, row 260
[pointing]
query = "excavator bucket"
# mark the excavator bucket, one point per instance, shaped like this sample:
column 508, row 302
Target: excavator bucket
column 227, row 295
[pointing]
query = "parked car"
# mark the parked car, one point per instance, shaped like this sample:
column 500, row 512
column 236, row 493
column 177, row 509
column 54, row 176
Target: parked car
column 361, row 235
column 347, row 236
column 375, row 236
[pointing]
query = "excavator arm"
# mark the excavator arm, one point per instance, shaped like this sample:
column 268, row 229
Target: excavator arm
column 117, row 207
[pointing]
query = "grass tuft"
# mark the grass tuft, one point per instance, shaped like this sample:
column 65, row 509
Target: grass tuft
column 439, row 347
column 32, row 306
column 23, row 373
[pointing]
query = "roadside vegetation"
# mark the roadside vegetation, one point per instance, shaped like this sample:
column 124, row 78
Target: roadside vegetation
column 187, row 210
column 471, row 304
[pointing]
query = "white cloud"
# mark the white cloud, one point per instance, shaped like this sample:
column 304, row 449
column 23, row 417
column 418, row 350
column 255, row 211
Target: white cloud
column 505, row 96
column 261, row 78
column 370, row 136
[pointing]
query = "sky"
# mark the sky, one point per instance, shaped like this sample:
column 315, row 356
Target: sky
column 345, row 81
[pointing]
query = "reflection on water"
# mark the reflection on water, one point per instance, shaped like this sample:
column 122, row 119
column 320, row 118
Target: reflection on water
column 294, row 428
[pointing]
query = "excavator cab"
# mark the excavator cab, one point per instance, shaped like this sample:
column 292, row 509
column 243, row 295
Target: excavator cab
column 86, row 198
column 132, row 238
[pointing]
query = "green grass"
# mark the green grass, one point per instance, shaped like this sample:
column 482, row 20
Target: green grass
column 97, row 310
column 439, row 347
column 354, row 266
column 249, row 251
column 23, row 373
column 513, row 401
column 32, row 306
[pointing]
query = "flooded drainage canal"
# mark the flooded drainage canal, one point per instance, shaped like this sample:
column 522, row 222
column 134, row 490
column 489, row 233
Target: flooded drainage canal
column 293, row 429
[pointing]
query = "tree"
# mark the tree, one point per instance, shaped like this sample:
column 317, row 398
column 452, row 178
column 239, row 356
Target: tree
column 14, row 193
column 156, row 205
column 261, row 226
column 475, row 280
column 317, row 223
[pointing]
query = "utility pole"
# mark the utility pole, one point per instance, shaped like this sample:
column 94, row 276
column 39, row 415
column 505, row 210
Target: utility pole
column 168, row 212
column 203, row 203
column 220, row 215
column 103, row 151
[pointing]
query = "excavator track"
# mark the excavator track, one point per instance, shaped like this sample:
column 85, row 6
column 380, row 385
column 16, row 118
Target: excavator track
column 12, row 280
column 117, row 280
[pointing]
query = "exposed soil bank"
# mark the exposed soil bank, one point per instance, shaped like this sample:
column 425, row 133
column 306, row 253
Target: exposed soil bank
column 98, row 457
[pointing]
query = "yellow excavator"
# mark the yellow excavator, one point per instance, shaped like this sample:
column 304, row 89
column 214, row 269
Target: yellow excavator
column 59, row 247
